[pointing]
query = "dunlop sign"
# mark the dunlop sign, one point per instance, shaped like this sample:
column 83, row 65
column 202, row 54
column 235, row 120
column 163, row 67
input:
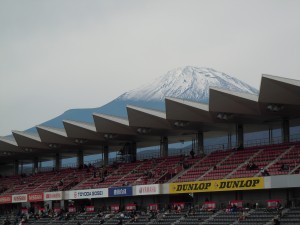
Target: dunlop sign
column 218, row 185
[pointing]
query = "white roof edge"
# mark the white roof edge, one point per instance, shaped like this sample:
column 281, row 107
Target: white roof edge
column 282, row 79
column 244, row 95
column 8, row 141
column 84, row 125
column 23, row 133
column 152, row 112
column 198, row 105
column 115, row 119
column 60, row 132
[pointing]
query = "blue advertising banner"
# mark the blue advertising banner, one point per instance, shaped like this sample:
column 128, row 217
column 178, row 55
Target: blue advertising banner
column 120, row 191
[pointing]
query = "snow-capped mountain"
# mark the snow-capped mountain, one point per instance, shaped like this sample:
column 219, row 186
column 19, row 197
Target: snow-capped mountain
column 189, row 82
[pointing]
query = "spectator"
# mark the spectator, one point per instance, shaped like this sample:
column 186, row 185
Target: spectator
column 276, row 222
column 284, row 167
column 61, row 182
column 242, row 216
column 101, row 180
column 264, row 172
column 192, row 153
column 240, row 147
column 252, row 166
column 6, row 222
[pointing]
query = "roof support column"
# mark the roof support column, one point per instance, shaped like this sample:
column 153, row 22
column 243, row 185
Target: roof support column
column 35, row 167
column 270, row 135
column 21, row 168
column 229, row 144
column 105, row 155
column 17, row 164
column 80, row 160
column 164, row 148
column 240, row 135
column 200, row 143
column 57, row 161
column 133, row 151
column 285, row 131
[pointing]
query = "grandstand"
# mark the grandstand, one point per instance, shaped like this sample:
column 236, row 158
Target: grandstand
column 239, row 182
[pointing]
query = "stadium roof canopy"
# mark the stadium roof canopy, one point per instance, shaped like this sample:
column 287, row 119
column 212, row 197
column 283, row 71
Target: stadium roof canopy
column 278, row 100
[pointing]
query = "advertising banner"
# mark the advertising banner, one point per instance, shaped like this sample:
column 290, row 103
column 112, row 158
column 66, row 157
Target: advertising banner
column 153, row 207
column 237, row 203
column 57, row 210
column 36, row 197
column 5, row 199
column 115, row 207
column 151, row 189
column 24, row 210
column 90, row 208
column 209, row 205
column 57, row 195
column 89, row 193
column 218, row 185
column 19, row 198
column 72, row 209
column 120, row 191
column 178, row 204
column 130, row 207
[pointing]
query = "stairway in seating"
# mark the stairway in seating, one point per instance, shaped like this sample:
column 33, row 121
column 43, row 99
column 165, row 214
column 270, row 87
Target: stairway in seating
column 211, row 217
column 218, row 164
column 280, row 156
column 293, row 170
column 277, row 159
column 187, row 170
column 120, row 181
column 243, row 164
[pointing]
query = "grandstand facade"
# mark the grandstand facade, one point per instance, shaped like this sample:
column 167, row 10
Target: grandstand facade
column 200, row 187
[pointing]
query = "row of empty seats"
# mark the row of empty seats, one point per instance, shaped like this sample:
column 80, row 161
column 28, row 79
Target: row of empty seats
column 217, row 165
column 259, row 216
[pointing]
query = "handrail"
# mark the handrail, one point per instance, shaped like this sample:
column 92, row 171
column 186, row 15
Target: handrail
column 155, row 153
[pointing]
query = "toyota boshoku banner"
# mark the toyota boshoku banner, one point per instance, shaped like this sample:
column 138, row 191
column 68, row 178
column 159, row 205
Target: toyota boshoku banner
column 90, row 193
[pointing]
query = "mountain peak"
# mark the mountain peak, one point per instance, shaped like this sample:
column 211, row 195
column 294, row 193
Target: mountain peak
column 187, row 82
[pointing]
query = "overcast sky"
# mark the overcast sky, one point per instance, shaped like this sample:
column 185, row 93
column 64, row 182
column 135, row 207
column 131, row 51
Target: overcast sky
column 58, row 54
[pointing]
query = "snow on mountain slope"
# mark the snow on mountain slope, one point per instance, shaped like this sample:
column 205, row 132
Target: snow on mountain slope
column 189, row 83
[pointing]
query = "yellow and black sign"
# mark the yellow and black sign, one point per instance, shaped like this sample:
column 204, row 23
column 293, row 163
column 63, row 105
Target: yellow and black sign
column 218, row 185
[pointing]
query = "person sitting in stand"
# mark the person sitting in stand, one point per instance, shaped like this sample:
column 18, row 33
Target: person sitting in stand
column 240, row 147
column 242, row 216
column 102, row 179
column 264, row 172
column 61, row 182
column 276, row 222
column 284, row 167
column 192, row 153
column 6, row 222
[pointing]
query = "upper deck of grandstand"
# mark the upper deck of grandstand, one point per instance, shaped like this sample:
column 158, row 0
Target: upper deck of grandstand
column 222, row 164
